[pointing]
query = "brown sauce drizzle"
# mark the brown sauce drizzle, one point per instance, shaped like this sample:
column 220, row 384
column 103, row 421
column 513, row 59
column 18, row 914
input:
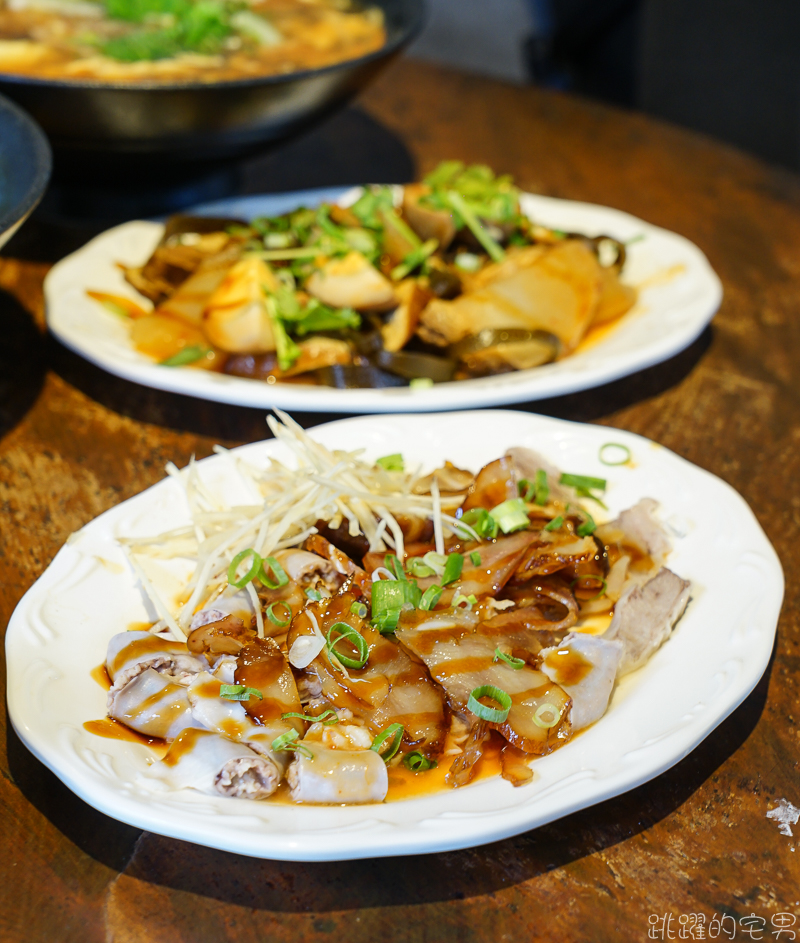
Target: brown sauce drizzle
column 114, row 730
column 101, row 676
column 152, row 645
column 569, row 666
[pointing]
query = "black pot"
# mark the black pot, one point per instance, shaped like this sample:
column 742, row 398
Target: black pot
column 202, row 121
column 25, row 165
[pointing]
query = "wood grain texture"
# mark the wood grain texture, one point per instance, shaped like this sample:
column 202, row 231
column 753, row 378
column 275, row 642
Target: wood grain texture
column 76, row 441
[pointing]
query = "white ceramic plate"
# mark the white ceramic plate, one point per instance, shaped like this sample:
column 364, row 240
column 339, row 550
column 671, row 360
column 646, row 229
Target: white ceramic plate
column 679, row 295
column 715, row 657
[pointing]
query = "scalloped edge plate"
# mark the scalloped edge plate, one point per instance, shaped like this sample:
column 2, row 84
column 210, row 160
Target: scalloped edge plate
column 679, row 295
column 715, row 657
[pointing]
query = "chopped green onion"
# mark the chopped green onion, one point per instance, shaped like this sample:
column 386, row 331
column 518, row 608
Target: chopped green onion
column 386, row 622
column 398, row 223
column 515, row 663
column 251, row 573
column 481, row 522
column 588, row 527
column 393, row 731
column 393, row 565
column 186, row 356
column 417, row 762
column 314, row 595
column 475, row 558
column 492, row 714
column 392, row 462
column 452, row 569
column 276, row 620
column 539, row 717
column 615, row 445
column 459, row 204
column 542, row 491
column 330, row 714
column 418, row 567
column 555, row 523
column 413, row 259
column 470, row 600
column 356, row 639
column 584, row 481
column 436, row 561
column 359, row 609
column 526, row 489
column 387, row 594
column 430, row 597
column 591, row 576
column 287, row 741
column 420, row 383
column 510, row 515
column 238, row 692
column 281, row 579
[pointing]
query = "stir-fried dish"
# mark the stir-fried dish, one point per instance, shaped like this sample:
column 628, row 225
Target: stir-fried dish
column 443, row 280
column 181, row 40
column 361, row 620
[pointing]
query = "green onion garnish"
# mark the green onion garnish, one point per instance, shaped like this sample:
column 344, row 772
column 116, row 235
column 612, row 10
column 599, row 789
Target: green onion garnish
column 330, row 714
column 413, row 259
column 436, row 561
column 287, row 741
column 430, row 597
column 251, row 573
column 238, row 692
column 555, row 523
column 386, row 622
column 615, row 445
column 492, row 714
column 542, row 490
column 508, row 659
column 393, row 565
column 470, row 600
column 481, row 522
column 458, row 203
column 356, row 639
column 541, row 720
column 475, row 558
column 387, row 594
column 393, row 731
column 588, row 527
column 526, row 489
column 417, row 762
column 418, row 567
column 276, row 620
column 314, row 595
column 281, row 579
column 186, row 356
column 510, row 515
column 420, row 383
column 453, row 567
column 359, row 609
column 392, row 462
column 584, row 481
column 591, row 576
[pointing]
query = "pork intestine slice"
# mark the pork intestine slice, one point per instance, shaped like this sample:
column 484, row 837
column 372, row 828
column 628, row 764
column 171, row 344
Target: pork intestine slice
column 589, row 687
column 131, row 653
column 337, row 776
column 153, row 704
column 204, row 760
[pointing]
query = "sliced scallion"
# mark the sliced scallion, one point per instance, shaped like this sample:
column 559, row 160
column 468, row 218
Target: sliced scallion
column 459, row 204
column 475, row 558
column 542, row 489
column 359, row 609
column 417, row 762
column 281, row 579
column 583, row 481
column 276, row 620
column 453, row 568
column 392, row 462
column 491, row 714
column 238, row 692
column 332, row 717
column 394, row 734
column 510, row 515
column 185, row 356
column 430, row 597
column 541, row 719
column 591, row 576
column 356, row 639
column 512, row 662
column 255, row 567
column 386, row 622
column 555, row 523
column 288, row 741
column 436, row 561
column 588, row 527
column 481, row 522
column 314, row 595
column 393, row 565
column 470, row 600
column 626, row 457
column 418, row 567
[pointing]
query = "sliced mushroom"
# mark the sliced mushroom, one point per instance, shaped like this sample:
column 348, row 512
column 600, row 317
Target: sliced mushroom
column 427, row 223
column 236, row 318
column 352, row 282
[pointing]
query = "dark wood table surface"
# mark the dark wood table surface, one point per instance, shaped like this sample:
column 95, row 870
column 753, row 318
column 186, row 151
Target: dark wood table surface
column 75, row 441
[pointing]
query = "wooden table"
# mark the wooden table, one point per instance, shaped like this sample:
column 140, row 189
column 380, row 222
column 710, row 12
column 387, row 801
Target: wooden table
column 696, row 840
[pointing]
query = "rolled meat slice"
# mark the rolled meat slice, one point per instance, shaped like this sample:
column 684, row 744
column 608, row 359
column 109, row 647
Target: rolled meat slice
column 152, row 704
column 203, row 760
column 131, row 653
column 585, row 666
column 237, row 606
column 337, row 776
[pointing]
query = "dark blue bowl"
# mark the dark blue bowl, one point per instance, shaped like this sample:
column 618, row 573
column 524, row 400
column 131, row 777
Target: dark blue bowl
column 25, row 164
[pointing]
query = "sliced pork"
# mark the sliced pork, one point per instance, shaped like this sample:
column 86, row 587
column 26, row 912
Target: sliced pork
column 585, row 667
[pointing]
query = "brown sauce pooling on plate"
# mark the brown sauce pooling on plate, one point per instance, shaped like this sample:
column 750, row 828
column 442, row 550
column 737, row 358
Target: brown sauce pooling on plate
column 101, row 676
column 113, row 730
column 569, row 666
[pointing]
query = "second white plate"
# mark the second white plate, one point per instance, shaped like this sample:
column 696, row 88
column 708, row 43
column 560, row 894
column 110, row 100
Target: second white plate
column 679, row 294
